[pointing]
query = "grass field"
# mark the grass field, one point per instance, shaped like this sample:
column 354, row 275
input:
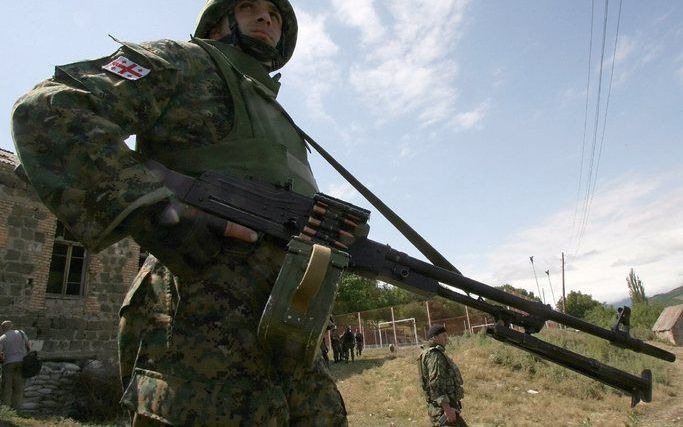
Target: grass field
column 503, row 387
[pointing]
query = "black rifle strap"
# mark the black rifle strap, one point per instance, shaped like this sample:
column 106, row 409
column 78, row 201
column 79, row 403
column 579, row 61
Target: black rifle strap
column 408, row 232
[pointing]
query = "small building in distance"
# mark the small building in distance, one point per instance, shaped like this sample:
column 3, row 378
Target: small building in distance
column 64, row 297
column 669, row 325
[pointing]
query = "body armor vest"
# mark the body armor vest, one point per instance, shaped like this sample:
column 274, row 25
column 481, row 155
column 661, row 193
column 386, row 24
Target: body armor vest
column 263, row 145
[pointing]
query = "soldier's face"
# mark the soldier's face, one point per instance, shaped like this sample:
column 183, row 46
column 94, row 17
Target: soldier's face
column 259, row 19
column 441, row 339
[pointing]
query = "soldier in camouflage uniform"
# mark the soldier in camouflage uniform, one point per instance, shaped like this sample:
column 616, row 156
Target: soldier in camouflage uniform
column 441, row 381
column 188, row 345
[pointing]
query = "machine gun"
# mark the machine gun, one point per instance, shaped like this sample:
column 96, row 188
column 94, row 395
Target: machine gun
column 283, row 214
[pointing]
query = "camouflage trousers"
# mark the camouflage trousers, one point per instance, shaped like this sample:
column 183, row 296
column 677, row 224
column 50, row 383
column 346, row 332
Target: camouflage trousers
column 190, row 355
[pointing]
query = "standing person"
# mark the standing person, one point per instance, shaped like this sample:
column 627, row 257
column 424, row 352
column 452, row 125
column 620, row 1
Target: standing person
column 441, row 380
column 359, row 343
column 336, row 346
column 14, row 345
column 348, row 340
column 188, row 347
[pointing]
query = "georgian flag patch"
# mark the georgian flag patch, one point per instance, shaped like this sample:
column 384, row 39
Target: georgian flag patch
column 126, row 68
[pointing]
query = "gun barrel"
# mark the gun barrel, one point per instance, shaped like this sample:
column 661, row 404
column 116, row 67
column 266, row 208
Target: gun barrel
column 466, row 284
column 639, row 388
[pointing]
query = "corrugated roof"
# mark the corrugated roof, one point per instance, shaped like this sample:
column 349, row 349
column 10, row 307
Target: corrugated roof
column 668, row 318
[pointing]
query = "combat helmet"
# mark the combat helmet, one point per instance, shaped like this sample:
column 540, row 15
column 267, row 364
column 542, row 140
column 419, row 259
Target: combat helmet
column 215, row 10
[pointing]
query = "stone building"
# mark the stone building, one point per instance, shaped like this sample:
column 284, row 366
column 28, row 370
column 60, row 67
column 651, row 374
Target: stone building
column 64, row 297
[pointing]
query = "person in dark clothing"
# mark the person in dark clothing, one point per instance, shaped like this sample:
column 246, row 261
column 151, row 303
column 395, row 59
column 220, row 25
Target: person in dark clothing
column 336, row 346
column 359, row 343
column 348, row 342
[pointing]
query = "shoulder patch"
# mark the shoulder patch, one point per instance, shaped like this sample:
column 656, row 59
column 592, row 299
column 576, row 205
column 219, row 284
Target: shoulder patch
column 126, row 68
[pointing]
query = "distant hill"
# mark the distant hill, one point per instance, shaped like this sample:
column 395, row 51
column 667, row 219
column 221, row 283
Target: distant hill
column 673, row 297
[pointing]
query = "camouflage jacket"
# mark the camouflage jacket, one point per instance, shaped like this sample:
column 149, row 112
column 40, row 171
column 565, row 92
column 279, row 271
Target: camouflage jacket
column 187, row 112
column 440, row 377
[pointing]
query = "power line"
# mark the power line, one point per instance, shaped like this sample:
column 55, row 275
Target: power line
column 592, row 178
column 609, row 92
column 585, row 117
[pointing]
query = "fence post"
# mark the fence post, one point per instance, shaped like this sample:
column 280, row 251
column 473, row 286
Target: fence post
column 415, row 331
column 429, row 317
column 469, row 325
column 393, row 324
column 360, row 327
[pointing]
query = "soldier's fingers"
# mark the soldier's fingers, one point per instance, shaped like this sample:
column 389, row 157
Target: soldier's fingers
column 240, row 232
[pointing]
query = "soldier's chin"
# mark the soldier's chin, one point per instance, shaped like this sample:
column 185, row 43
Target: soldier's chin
column 262, row 37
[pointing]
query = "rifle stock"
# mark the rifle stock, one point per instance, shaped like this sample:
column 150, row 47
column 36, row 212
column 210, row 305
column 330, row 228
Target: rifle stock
column 283, row 214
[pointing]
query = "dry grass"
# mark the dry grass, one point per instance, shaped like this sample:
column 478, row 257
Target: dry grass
column 382, row 389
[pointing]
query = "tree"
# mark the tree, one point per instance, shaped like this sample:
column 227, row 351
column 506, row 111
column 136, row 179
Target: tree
column 579, row 304
column 635, row 289
column 360, row 294
column 519, row 292
column 355, row 294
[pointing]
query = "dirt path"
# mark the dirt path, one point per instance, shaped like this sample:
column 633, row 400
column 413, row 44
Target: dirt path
column 666, row 408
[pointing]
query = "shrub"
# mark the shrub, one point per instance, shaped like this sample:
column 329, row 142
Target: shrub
column 99, row 391
column 602, row 315
column 645, row 314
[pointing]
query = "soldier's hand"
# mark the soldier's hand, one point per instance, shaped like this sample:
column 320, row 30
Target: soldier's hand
column 186, row 239
column 451, row 414
column 176, row 211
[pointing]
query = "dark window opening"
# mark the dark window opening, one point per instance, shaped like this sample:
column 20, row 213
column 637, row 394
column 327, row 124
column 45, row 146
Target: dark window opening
column 68, row 264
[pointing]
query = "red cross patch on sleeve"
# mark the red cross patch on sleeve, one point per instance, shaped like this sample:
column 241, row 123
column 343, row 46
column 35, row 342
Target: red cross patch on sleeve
column 126, row 68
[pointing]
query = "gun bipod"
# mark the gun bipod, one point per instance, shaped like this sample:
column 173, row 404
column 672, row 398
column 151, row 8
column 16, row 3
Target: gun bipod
column 639, row 388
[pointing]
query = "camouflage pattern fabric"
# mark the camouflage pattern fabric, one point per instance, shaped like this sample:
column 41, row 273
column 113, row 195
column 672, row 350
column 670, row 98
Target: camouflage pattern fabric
column 188, row 347
column 441, row 382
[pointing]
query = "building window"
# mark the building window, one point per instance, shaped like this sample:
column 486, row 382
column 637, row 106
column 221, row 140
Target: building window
column 68, row 264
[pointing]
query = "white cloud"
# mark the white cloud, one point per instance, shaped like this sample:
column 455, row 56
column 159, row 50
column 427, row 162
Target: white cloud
column 362, row 15
column 633, row 54
column 342, row 190
column 408, row 68
column 636, row 222
column 499, row 77
column 470, row 119
column 313, row 69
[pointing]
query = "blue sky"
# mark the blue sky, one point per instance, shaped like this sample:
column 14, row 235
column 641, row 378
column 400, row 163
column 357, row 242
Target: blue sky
column 466, row 117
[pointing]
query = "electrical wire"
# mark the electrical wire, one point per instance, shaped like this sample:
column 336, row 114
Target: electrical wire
column 609, row 92
column 585, row 118
column 591, row 176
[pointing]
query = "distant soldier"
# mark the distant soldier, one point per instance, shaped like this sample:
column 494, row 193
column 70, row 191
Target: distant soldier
column 441, row 381
column 348, row 341
column 336, row 345
column 359, row 343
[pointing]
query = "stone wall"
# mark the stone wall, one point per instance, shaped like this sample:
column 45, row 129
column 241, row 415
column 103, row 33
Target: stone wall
column 66, row 326
column 53, row 391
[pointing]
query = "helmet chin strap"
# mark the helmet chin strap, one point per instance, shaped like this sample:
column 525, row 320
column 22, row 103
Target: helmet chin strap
column 258, row 49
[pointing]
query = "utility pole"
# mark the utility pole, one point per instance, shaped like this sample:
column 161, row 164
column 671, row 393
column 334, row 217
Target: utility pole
column 547, row 272
column 564, row 297
column 540, row 294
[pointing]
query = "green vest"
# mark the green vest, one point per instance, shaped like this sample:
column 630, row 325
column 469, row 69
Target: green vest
column 263, row 145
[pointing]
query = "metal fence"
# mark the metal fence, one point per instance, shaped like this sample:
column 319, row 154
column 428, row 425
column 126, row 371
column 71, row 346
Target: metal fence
column 407, row 324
